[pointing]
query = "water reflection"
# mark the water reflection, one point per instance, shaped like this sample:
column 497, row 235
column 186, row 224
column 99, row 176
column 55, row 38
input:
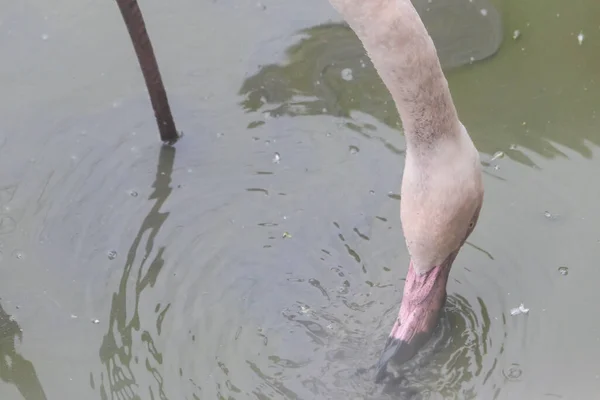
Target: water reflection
column 14, row 368
column 117, row 349
column 326, row 71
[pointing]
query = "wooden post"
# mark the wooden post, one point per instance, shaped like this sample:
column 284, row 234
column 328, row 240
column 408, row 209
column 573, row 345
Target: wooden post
column 132, row 15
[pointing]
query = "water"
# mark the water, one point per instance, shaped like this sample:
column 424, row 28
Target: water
column 238, row 277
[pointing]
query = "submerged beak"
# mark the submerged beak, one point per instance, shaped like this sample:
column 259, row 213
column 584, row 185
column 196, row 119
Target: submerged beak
column 424, row 297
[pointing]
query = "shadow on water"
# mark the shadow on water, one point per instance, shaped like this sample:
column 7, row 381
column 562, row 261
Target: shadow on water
column 116, row 350
column 14, row 368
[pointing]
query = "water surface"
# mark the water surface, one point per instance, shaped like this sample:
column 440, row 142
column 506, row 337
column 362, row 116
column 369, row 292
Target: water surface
column 218, row 270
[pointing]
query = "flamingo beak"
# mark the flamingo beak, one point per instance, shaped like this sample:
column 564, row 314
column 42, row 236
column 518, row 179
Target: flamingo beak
column 423, row 300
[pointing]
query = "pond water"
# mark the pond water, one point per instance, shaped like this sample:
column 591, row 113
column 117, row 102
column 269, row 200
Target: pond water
column 262, row 257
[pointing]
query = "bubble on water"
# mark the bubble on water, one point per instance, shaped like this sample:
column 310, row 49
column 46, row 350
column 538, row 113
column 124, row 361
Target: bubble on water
column 371, row 192
column 513, row 373
column 580, row 38
column 516, row 34
column 276, row 158
column 133, row 193
column 95, row 321
column 483, row 12
column 347, row 74
column 45, row 36
column 112, row 254
column 353, row 149
column 564, row 271
column 220, row 134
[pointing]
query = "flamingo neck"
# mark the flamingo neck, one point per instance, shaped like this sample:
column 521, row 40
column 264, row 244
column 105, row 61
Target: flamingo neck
column 405, row 57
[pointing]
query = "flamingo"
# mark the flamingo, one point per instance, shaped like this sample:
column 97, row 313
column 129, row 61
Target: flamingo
column 442, row 186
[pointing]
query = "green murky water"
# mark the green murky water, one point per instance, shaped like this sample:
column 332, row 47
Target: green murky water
column 217, row 270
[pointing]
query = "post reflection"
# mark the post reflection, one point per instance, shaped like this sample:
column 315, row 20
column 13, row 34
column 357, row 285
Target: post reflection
column 14, row 368
column 125, row 332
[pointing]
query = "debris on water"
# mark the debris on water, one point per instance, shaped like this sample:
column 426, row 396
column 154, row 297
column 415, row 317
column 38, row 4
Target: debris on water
column 519, row 310
column 580, row 38
column 483, row 12
column 286, row 235
column 497, row 155
column 353, row 149
column 549, row 215
column 347, row 74
column 516, row 34
column 73, row 316
column 95, row 321
column 276, row 158
column 564, row 271
column 304, row 309
column 133, row 193
column 112, row 254
column 18, row 254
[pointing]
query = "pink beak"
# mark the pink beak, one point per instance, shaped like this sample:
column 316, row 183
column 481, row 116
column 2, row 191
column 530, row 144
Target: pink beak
column 424, row 297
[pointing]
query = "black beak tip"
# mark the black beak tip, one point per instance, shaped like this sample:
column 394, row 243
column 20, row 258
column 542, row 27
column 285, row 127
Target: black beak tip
column 397, row 351
column 381, row 373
